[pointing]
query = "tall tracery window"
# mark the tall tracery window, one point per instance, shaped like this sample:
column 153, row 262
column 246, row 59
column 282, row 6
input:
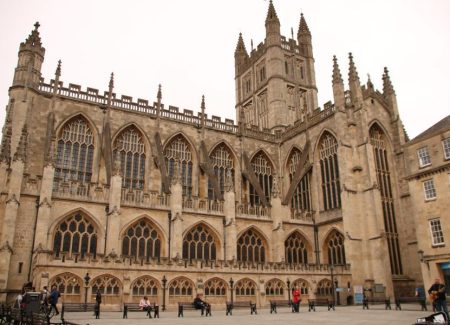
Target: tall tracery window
column 67, row 284
column 181, row 287
column 325, row 288
column 336, row 249
column 145, row 286
column 178, row 149
column 245, row 287
column 75, row 152
column 141, row 240
column 295, row 249
column 199, row 244
column 75, row 235
column 302, row 285
column 250, row 247
column 301, row 200
column 130, row 145
column 329, row 170
column 274, row 287
column 221, row 160
column 263, row 170
column 215, row 287
column 378, row 141
column 108, row 285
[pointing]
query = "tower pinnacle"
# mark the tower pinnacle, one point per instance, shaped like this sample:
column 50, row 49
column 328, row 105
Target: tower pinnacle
column 352, row 73
column 337, row 77
column 388, row 89
column 272, row 15
column 303, row 28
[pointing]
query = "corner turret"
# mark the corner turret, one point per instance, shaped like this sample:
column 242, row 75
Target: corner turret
column 338, row 85
column 273, row 35
column 304, row 38
column 240, row 54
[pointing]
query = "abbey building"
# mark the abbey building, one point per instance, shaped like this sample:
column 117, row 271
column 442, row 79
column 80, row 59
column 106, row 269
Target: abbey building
column 133, row 197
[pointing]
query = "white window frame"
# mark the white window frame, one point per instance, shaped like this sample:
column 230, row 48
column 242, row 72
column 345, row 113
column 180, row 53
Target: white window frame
column 437, row 235
column 429, row 190
column 446, row 147
column 424, row 156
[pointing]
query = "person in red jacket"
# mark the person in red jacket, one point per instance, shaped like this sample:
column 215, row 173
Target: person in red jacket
column 296, row 299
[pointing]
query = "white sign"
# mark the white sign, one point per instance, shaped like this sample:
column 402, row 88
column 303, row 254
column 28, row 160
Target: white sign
column 358, row 289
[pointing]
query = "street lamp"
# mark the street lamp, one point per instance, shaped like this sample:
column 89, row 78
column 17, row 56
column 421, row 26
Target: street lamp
column 87, row 278
column 332, row 283
column 231, row 289
column 164, row 282
column 288, row 287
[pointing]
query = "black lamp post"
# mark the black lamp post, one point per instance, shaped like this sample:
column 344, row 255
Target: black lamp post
column 231, row 288
column 332, row 283
column 289, row 287
column 87, row 278
column 164, row 282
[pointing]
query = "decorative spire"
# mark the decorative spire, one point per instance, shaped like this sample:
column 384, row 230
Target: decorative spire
column 352, row 73
column 369, row 83
column 5, row 150
column 275, row 188
column 111, row 83
column 34, row 38
column 229, row 185
column 240, row 47
column 337, row 77
column 21, row 152
column 117, row 168
column 58, row 70
column 159, row 95
column 388, row 89
column 272, row 14
column 303, row 28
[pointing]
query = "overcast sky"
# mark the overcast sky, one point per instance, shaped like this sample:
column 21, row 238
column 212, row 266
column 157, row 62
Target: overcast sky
column 188, row 47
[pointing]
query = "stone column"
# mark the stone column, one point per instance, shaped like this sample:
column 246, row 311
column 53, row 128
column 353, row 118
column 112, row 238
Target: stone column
column 229, row 209
column 113, row 215
column 277, row 217
column 176, row 206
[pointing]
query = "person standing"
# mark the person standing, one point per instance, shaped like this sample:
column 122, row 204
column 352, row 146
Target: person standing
column 98, row 301
column 53, row 299
column 437, row 293
column 296, row 299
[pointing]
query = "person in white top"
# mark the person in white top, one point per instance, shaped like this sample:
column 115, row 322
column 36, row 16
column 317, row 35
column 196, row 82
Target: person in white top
column 144, row 303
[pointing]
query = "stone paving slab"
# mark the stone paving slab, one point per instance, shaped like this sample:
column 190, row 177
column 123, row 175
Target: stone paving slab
column 342, row 315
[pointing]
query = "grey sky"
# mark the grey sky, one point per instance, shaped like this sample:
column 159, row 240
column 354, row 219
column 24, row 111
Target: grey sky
column 188, row 47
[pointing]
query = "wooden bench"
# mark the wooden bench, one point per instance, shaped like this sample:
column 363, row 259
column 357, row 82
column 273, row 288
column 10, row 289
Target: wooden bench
column 421, row 300
column 77, row 307
column 182, row 306
column 132, row 307
column 240, row 304
column 274, row 304
column 377, row 301
column 312, row 303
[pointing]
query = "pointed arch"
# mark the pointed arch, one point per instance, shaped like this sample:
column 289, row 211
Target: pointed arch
column 75, row 144
column 264, row 169
column 149, row 219
column 179, row 148
column 302, row 285
column 327, row 150
column 275, row 288
column 381, row 152
column 107, row 285
column 145, row 285
column 377, row 123
column 301, row 198
column 334, row 248
column 252, row 246
column 82, row 115
column 201, row 242
column 325, row 288
column 142, row 239
column 222, row 159
column 297, row 248
column 130, row 144
column 215, row 287
column 181, row 287
column 67, row 283
column 75, row 234
column 245, row 288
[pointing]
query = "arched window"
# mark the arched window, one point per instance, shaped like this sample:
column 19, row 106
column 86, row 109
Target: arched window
column 336, row 249
column 250, row 247
column 221, row 160
column 263, row 170
column 324, row 288
column 295, row 249
column 130, row 145
column 141, row 240
column 301, row 199
column 379, row 143
column 75, row 235
column 302, row 285
column 215, row 287
column 145, row 286
column 199, row 244
column 275, row 287
column 67, row 284
column 245, row 287
column 75, row 152
column 178, row 149
column 329, row 170
column 108, row 285
column 181, row 287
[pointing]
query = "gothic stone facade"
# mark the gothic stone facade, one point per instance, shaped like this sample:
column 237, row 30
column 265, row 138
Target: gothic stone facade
column 151, row 200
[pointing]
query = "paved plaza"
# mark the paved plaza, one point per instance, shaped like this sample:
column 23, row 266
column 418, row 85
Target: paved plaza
column 342, row 315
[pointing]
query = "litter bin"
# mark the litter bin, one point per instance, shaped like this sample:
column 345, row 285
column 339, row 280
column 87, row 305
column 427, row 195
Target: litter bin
column 31, row 302
column 349, row 300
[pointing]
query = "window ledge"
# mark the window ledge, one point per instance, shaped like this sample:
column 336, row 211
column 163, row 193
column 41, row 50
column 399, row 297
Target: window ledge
column 437, row 245
column 431, row 199
column 424, row 166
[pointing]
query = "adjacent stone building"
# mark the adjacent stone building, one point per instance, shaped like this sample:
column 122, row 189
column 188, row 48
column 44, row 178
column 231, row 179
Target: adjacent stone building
column 149, row 200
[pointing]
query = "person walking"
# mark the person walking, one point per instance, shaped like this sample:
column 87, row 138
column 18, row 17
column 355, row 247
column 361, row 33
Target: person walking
column 437, row 295
column 296, row 299
column 53, row 299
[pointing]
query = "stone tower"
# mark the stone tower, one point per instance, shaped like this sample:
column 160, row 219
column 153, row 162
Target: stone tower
column 275, row 83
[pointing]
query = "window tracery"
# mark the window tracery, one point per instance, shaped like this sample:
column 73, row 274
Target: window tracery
column 336, row 249
column 329, row 169
column 199, row 244
column 67, row 284
column 145, row 286
column 107, row 285
column 263, row 170
column 245, row 287
column 301, row 200
column 181, row 287
column 296, row 249
column 141, row 240
column 275, row 287
column 221, row 160
column 215, row 287
column 250, row 247
column 178, row 149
